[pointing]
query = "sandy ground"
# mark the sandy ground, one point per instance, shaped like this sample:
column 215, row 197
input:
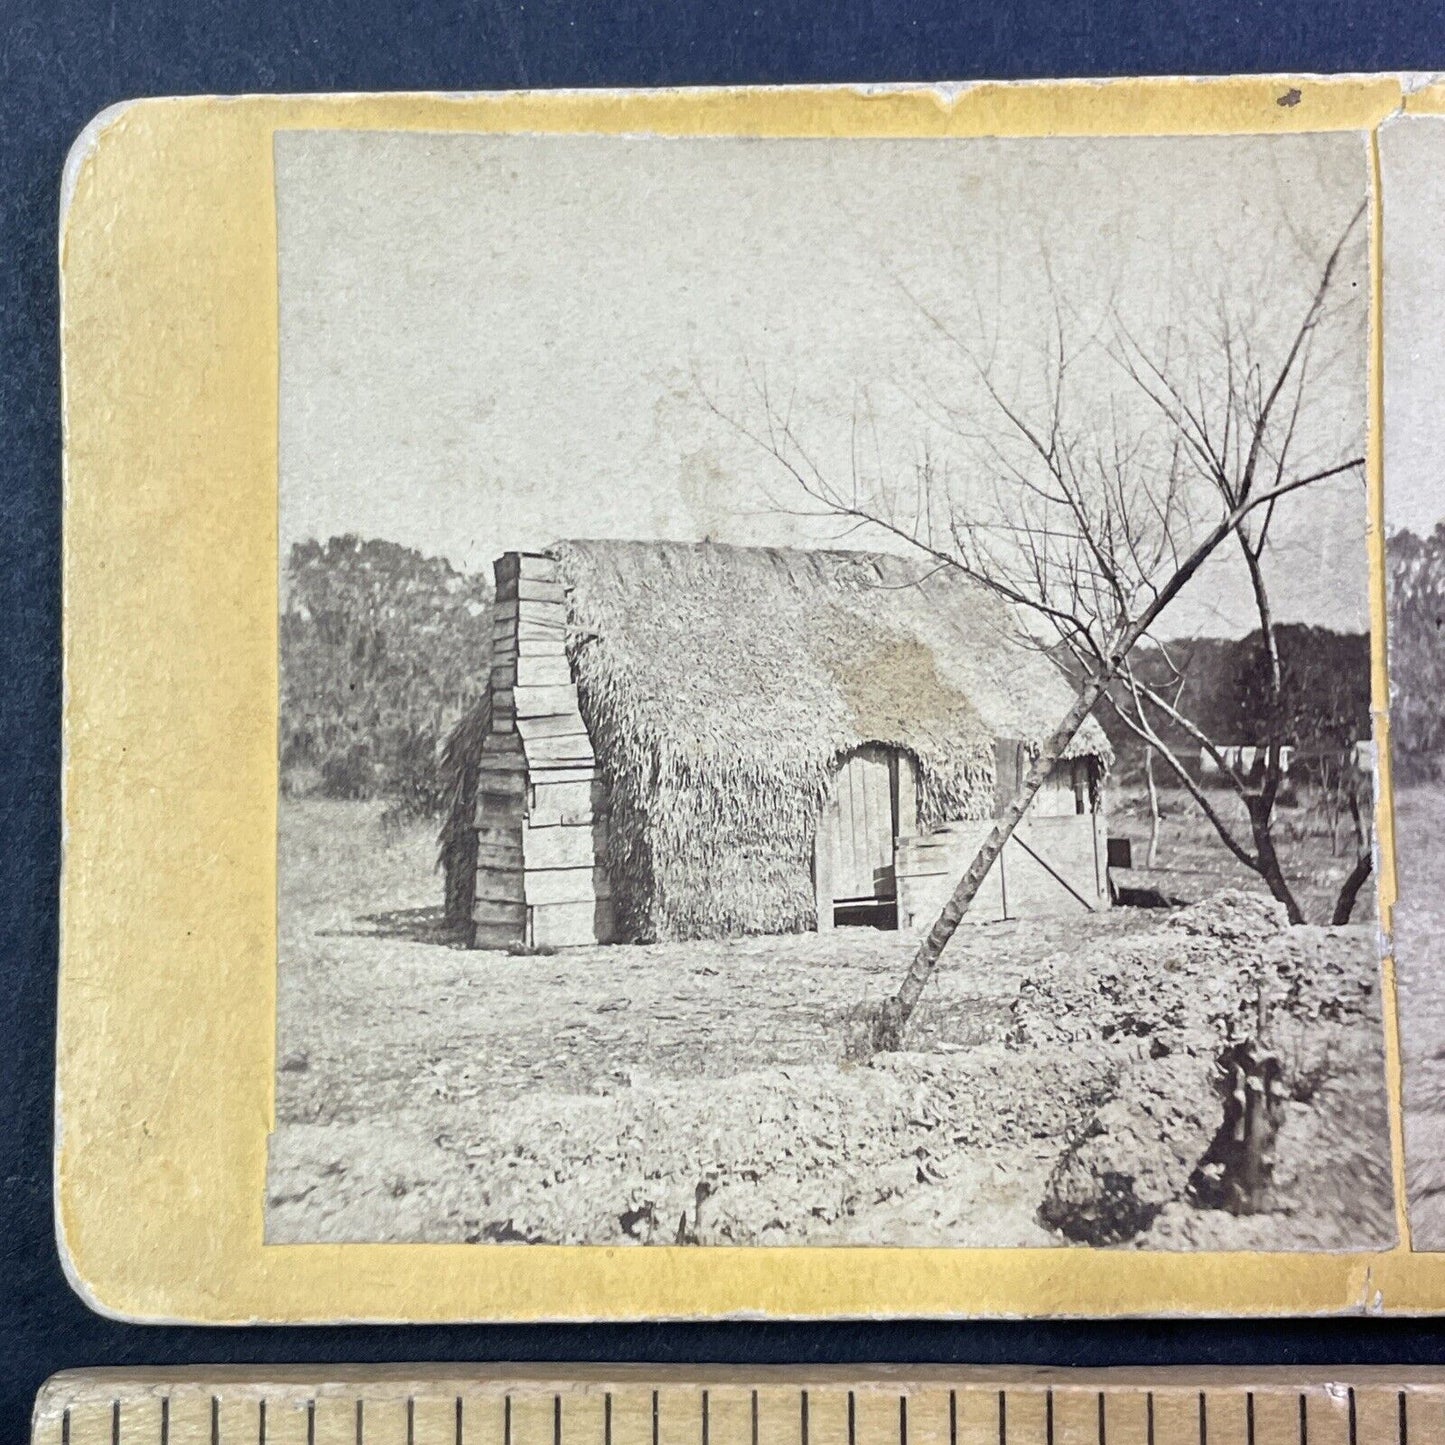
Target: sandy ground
column 1419, row 928
column 704, row 1092
column 1193, row 863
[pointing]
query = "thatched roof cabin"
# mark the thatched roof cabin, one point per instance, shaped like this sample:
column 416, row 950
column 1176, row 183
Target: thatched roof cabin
column 722, row 687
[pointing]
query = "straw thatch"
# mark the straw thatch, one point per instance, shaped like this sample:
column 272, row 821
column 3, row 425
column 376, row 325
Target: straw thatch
column 721, row 685
column 459, row 769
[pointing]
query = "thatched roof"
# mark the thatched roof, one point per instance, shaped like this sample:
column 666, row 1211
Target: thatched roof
column 459, row 770
column 721, row 685
column 741, row 658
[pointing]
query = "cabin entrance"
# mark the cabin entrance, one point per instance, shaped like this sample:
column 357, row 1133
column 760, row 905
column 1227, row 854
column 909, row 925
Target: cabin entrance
column 872, row 803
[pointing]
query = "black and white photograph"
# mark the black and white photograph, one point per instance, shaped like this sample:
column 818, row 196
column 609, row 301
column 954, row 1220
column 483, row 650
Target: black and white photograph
column 1411, row 156
column 825, row 694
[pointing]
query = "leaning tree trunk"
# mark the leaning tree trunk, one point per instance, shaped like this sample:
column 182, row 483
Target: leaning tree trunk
column 1260, row 810
column 1345, row 904
column 892, row 1018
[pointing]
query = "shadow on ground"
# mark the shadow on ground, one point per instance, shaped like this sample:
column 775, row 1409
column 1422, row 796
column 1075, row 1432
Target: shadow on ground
column 409, row 925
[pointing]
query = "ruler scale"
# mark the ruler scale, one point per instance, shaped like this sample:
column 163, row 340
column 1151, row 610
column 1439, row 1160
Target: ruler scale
column 416, row 1405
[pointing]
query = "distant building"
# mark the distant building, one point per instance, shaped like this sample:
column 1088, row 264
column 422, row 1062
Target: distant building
column 1249, row 762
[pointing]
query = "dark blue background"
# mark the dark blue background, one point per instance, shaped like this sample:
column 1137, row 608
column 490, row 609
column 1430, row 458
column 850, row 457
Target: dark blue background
column 59, row 65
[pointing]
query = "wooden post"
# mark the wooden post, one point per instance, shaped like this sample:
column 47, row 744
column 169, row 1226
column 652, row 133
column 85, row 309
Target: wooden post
column 905, row 795
column 1008, row 764
column 823, row 844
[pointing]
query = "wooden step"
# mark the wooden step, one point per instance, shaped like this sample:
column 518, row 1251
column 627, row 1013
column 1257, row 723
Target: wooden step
column 563, row 754
column 563, row 925
column 501, row 885
column 529, row 589
column 539, row 566
column 507, row 856
column 572, row 803
column 566, row 885
column 498, row 935
column 554, row 726
column 533, row 616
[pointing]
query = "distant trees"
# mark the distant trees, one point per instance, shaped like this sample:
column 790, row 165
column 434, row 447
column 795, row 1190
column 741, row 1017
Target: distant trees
column 1325, row 694
column 382, row 649
column 1296, row 698
column 1417, row 653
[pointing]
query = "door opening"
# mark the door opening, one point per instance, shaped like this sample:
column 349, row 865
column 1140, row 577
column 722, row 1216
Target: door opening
column 855, row 866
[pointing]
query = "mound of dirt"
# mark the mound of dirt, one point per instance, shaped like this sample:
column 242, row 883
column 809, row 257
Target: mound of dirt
column 1080, row 1110
column 1217, row 1019
column 911, row 1148
column 1135, row 1154
column 1187, row 982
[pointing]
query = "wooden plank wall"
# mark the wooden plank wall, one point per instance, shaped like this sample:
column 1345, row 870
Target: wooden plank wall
column 1065, row 792
column 1073, row 845
column 541, row 819
column 929, row 866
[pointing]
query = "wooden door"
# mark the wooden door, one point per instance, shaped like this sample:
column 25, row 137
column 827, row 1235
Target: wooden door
column 859, row 827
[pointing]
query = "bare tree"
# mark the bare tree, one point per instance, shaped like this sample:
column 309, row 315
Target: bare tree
column 1091, row 527
column 1156, row 713
column 1151, row 788
column 1229, row 440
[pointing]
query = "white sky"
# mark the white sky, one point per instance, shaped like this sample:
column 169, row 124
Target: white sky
column 492, row 342
column 1412, row 167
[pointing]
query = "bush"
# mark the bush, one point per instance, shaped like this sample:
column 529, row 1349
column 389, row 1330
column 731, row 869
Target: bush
column 349, row 775
column 382, row 649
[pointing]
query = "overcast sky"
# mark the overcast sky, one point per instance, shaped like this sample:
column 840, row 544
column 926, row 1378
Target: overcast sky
column 493, row 342
column 1412, row 166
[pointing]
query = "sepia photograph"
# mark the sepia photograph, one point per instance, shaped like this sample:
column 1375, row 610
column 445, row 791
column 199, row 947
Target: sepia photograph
column 825, row 695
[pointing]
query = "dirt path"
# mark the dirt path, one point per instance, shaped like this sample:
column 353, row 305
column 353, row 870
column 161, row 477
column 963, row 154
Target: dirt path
column 375, row 1012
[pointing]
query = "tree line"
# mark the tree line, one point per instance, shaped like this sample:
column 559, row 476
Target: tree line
column 382, row 650
column 1321, row 709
